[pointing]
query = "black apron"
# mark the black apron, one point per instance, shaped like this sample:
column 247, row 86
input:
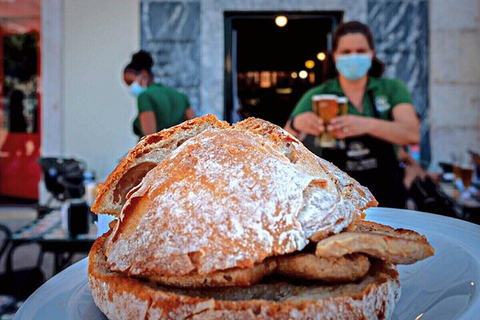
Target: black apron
column 370, row 161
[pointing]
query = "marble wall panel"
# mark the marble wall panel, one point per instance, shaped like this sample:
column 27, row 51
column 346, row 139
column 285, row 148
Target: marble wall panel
column 401, row 35
column 170, row 31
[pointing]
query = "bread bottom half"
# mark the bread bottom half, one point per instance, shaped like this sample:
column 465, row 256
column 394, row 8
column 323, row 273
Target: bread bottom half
column 121, row 297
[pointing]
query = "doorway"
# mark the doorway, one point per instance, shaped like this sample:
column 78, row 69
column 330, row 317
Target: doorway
column 269, row 67
column 20, row 129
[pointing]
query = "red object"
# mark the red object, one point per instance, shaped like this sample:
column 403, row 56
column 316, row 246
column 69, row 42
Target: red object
column 19, row 171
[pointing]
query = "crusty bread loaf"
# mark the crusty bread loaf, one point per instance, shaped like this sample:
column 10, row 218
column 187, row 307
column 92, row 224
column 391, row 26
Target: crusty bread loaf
column 230, row 198
column 204, row 206
column 123, row 297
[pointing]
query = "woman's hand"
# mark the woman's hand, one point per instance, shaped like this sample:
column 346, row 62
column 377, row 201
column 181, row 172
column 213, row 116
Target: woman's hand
column 307, row 122
column 403, row 130
column 349, row 126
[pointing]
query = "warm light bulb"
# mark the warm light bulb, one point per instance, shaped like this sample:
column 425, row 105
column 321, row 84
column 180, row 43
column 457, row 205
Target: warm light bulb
column 294, row 75
column 309, row 64
column 321, row 56
column 281, row 21
column 303, row 74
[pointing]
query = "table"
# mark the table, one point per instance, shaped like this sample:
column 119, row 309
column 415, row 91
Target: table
column 48, row 233
column 468, row 208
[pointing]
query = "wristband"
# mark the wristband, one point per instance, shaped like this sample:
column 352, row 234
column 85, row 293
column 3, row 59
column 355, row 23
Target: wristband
column 291, row 125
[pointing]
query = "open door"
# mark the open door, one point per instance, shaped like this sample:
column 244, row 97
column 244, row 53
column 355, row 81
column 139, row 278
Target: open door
column 20, row 125
column 269, row 66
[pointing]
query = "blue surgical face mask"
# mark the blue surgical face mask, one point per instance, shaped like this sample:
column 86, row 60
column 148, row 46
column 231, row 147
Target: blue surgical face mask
column 135, row 89
column 353, row 66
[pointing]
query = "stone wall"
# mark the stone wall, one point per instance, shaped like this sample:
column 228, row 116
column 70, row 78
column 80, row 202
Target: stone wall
column 454, row 77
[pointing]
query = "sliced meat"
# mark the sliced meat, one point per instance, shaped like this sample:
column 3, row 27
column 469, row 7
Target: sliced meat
column 229, row 278
column 396, row 246
column 309, row 266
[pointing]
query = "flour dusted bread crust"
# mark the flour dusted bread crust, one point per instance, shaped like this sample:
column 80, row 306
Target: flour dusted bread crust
column 151, row 150
column 215, row 221
column 122, row 297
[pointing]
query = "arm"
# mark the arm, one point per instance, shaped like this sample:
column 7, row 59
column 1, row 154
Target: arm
column 305, row 120
column 146, row 115
column 306, row 123
column 148, row 122
column 189, row 114
column 403, row 130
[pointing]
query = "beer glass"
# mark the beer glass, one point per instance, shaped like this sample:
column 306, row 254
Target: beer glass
column 466, row 174
column 326, row 107
column 343, row 110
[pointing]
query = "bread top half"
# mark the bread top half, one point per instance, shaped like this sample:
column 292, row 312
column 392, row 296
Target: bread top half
column 225, row 197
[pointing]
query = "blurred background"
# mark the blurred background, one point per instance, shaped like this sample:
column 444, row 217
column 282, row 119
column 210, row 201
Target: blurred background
column 63, row 60
column 62, row 95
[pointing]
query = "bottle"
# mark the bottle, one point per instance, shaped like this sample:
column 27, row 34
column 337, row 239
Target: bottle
column 90, row 185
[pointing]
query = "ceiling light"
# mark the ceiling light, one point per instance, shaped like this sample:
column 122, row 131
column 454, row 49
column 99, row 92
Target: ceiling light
column 303, row 74
column 321, row 56
column 309, row 64
column 281, row 21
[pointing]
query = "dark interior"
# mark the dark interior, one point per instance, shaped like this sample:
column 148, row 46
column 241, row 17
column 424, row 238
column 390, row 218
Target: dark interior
column 266, row 51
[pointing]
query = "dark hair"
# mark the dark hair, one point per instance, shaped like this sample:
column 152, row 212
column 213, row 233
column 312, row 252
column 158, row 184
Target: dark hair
column 130, row 67
column 377, row 68
column 142, row 60
column 352, row 27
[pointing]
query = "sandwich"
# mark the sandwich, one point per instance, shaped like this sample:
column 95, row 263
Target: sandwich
column 219, row 221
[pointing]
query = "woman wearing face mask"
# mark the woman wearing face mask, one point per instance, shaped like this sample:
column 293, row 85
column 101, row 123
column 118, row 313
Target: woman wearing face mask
column 380, row 117
column 159, row 106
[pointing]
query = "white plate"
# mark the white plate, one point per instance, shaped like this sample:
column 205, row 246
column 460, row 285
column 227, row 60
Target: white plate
column 441, row 287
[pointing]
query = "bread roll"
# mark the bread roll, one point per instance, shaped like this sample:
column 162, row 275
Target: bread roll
column 204, row 205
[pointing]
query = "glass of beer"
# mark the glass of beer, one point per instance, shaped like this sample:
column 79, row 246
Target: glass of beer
column 466, row 175
column 326, row 107
column 343, row 110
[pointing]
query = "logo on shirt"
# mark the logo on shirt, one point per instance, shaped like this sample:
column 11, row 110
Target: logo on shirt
column 358, row 158
column 356, row 149
column 381, row 103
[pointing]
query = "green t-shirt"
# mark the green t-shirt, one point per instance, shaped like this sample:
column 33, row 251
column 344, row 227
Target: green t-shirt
column 387, row 94
column 168, row 104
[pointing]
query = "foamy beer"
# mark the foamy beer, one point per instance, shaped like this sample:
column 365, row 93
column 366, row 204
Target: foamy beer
column 326, row 107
